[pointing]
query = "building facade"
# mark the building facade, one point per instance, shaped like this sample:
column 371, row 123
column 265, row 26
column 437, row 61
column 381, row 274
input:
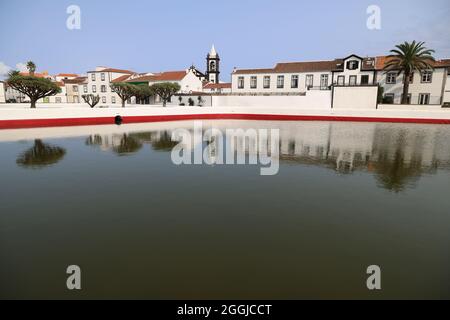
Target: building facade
column 428, row 87
column 2, row 92
column 99, row 83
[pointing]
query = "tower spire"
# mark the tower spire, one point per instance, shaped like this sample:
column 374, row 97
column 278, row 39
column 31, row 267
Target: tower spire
column 213, row 51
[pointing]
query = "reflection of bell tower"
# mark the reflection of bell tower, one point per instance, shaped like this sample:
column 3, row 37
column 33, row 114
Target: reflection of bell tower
column 212, row 66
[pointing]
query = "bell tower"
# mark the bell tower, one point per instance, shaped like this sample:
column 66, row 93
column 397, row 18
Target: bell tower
column 213, row 66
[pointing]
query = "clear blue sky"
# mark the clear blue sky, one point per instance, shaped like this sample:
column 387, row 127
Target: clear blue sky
column 149, row 36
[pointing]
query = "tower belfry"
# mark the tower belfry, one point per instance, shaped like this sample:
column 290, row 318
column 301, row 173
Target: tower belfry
column 213, row 66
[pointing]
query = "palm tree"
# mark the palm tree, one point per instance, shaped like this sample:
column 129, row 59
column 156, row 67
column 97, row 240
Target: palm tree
column 407, row 58
column 31, row 67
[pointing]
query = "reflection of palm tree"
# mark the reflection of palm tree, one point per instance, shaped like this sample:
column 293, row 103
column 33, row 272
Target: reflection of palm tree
column 41, row 155
column 127, row 145
column 395, row 174
column 164, row 143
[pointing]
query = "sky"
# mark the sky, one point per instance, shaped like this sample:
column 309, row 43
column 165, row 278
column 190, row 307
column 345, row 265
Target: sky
column 153, row 36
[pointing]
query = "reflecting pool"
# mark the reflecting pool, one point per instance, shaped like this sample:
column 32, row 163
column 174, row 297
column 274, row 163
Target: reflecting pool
column 111, row 200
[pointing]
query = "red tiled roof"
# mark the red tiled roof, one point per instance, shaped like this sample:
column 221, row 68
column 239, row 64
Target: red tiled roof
column 113, row 70
column 67, row 75
column 217, row 86
column 252, row 71
column 121, row 79
column 171, row 76
column 313, row 66
column 60, row 83
column 163, row 76
column 36, row 74
column 75, row 81
column 382, row 60
column 290, row 67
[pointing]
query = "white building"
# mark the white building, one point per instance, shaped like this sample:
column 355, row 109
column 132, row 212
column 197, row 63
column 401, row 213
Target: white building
column 430, row 87
column 425, row 88
column 74, row 89
column 2, row 92
column 99, row 83
column 217, row 87
column 190, row 80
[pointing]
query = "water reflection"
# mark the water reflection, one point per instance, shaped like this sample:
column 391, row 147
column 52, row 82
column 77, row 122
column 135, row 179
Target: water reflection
column 396, row 155
column 124, row 144
column 41, row 155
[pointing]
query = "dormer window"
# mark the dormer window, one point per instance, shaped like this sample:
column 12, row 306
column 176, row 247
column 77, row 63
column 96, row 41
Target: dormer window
column 352, row 65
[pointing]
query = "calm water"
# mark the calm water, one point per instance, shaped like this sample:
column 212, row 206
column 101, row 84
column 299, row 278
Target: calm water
column 109, row 199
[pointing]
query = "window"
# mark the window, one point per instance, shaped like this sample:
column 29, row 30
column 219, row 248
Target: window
column 253, row 82
column 294, row 82
column 364, row 79
column 280, row 82
column 85, row 88
column 352, row 65
column 352, row 81
column 241, row 83
column 341, row 80
column 212, row 66
column 266, row 82
column 391, row 78
column 309, row 80
column 103, row 99
column 113, row 99
column 58, row 99
column 424, row 98
column 93, row 77
column 94, row 88
column 103, row 77
column 427, row 76
column 323, row 81
column 75, row 88
column 103, row 88
column 389, row 98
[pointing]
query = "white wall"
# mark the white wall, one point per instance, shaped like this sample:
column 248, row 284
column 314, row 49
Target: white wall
column 191, row 83
column 355, row 97
column 314, row 99
column 2, row 93
column 447, row 89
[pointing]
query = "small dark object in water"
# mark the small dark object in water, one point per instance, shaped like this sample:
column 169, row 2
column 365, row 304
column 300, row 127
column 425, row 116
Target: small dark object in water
column 118, row 120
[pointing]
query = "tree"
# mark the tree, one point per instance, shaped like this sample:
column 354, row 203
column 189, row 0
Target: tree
column 31, row 67
column 406, row 58
column 143, row 92
column 165, row 90
column 33, row 87
column 91, row 100
column 125, row 91
column 200, row 101
column 41, row 155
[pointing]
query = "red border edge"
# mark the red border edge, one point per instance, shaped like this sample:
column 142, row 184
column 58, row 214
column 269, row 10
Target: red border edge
column 65, row 122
